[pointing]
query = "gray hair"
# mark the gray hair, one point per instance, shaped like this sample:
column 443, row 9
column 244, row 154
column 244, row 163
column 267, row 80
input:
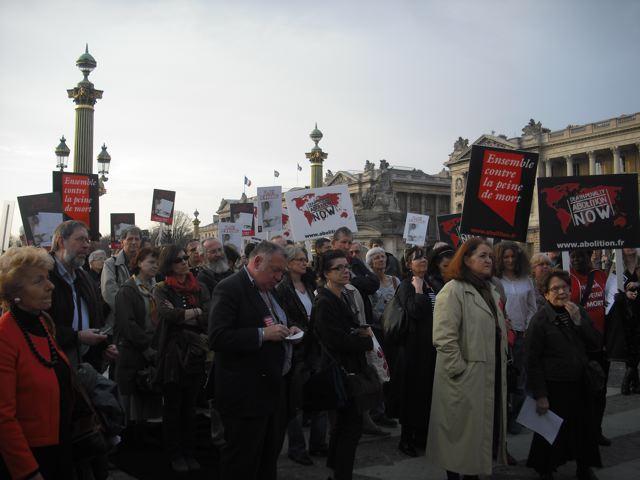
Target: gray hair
column 372, row 251
column 267, row 249
column 64, row 231
column 130, row 229
column 97, row 255
column 539, row 258
column 291, row 251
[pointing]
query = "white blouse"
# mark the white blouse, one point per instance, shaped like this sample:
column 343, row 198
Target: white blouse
column 521, row 301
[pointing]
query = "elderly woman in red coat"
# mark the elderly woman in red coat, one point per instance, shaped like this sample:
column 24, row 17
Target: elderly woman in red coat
column 36, row 394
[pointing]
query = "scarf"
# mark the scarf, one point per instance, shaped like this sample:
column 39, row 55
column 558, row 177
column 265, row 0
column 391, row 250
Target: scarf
column 189, row 289
column 483, row 287
column 146, row 293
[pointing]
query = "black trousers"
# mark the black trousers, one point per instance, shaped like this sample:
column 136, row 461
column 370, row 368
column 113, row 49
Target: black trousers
column 346, row 430
column 252, row 446
column 179, row 416
column 600, row 400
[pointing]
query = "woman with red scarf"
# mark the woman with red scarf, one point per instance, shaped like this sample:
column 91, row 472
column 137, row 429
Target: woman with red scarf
column 182, row 348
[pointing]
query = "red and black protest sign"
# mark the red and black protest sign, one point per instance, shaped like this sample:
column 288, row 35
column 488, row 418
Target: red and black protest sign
column 41, row 214
column 80, row 193
column 119, row 223
column 449, row 229
column 590, row 212
column 162, row 206
column 497, row 201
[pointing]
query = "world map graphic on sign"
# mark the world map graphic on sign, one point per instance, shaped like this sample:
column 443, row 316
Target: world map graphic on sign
column 577, row 206
column 319, row 207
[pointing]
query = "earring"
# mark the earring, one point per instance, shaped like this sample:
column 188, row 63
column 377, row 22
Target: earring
column 17, row 300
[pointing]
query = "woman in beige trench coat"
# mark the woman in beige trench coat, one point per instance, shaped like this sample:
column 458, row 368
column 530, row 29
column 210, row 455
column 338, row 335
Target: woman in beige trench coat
column 468, row 412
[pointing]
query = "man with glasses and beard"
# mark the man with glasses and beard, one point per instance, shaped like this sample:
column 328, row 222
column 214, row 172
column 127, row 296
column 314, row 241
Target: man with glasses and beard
column 216, row 266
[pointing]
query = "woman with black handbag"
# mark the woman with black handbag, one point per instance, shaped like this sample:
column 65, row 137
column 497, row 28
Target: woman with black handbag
column 182, row 348
column 338, row 329
column 136, row 318
column 414, row 361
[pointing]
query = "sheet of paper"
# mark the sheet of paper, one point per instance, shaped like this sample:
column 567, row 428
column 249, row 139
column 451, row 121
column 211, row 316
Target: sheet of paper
column 547, row 425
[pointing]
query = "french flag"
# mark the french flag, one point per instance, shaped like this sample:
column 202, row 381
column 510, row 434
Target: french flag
column 247, row 182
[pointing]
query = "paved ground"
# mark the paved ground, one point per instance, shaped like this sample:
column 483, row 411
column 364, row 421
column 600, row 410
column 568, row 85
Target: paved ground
column 380, row 458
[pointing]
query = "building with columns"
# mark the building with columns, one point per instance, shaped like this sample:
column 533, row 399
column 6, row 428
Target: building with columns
column 603, row 147
column 383, row 196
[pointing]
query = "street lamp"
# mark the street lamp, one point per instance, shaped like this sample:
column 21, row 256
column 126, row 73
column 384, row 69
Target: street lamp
column 104, row 160
column 62, row 154
column 196, row 225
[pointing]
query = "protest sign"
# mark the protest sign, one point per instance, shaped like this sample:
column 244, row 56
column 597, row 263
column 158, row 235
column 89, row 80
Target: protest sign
column 449, row 230
column 242, row 214
column 5, row 224
column 119, row 223
column 162, row 206
column 230, row 234
column 286, row 225
column 80, row 198
column 41, row 214
column 269, row 209
column 497, row 201
column 319, row 212
column 415, row 229
column 590, row 212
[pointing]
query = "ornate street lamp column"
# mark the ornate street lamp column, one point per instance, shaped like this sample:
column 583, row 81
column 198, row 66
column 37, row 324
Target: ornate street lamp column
column 316, row 156
column 196, row 225
column 84, row 96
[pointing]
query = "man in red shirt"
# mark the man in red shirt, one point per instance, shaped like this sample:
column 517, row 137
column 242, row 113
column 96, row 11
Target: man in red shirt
column 587, row 290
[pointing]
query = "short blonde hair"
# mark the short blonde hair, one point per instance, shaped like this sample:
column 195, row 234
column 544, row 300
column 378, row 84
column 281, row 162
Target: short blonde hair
column 13, row 265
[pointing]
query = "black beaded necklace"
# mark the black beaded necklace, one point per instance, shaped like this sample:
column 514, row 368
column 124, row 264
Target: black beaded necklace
column 52, row 351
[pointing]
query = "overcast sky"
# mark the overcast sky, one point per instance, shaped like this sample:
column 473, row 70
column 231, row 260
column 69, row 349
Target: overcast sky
column 198, row 94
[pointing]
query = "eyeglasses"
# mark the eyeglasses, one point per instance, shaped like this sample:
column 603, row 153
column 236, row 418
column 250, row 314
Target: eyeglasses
column 558, row 289
column 341, row 268
column 181, row 259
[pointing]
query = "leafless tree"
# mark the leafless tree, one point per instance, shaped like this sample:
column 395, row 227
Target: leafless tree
column 178, row 233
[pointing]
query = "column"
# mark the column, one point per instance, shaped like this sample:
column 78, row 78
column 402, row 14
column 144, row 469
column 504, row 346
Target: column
column 547, row 168
column 592, row 162
column 409, row 202
column 437, row 208
column 616, row 159
column 568, row 165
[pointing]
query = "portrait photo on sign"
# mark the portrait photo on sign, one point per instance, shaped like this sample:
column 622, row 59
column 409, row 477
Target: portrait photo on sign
column 415, row 229
column 40, row 214
column 162, row 206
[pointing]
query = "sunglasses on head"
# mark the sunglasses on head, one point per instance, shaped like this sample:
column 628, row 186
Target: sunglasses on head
column 417, row 255
column 181, row 259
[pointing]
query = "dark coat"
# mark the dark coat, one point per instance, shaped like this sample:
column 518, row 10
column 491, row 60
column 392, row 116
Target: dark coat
column 335, row 325
column 174, row 336
column 248, row 375
column 622, row 331
column 557, row 354
column 413, row 361
column 132, row 340
column 305, row 352
column 62, row 308
column 210, row 279
column 367, row 284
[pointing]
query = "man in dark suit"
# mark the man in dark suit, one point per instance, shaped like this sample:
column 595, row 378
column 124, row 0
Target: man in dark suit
column 247, row 331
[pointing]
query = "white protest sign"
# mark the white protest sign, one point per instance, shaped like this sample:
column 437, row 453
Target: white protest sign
column 319, row 212
column 231, row 233
column 269, row 209
column 415, row 229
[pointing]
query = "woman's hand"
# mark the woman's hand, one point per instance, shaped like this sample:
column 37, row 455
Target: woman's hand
column 574, row 313
column 365, row 332
column 417, row 283
column 542, row 405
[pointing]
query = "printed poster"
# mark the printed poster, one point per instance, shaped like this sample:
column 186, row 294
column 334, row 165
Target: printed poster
column 41, row 214
column 119, row 223
column 449, row 230
column 589, row 212
column 230, row 234
column 497, row 202
column 80, row 195
column 162, row 206
column 319, row 212
column 269, row 209
column 242, row 214
column 415, row 229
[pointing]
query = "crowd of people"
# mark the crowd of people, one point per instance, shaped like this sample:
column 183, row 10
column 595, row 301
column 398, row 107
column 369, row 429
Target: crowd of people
column 245, row 334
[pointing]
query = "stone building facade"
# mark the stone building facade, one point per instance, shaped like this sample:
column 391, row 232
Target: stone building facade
column 383, row 196
column 603, row 147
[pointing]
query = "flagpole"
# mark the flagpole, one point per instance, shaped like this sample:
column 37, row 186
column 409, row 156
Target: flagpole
column 244, row 185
